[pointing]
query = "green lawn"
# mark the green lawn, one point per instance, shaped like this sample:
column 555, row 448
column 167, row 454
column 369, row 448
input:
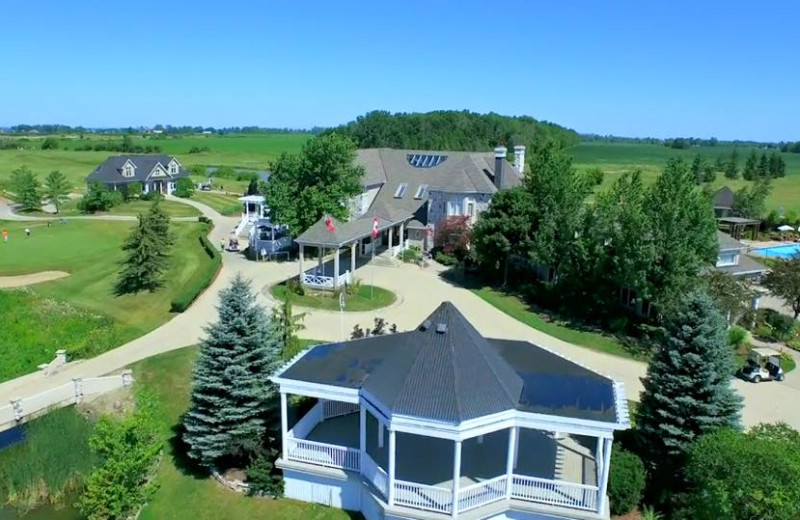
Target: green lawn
column 521, row 311
column 616, row 158
column 90, row 252
column 367, row 298
column 225, row 204
column 132, row 208
column 184, row 493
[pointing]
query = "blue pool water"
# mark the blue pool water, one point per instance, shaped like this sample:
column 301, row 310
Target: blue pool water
column 786, row 251
column 11, row 437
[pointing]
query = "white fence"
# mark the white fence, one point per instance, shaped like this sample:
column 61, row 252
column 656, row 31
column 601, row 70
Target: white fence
column 554, row 492
column 308, row 422
column 375, row 474
column 20, row 410
column 323, row 282
column 420, row 496
column 331, row 409
column 482, row 493
column 329, row 455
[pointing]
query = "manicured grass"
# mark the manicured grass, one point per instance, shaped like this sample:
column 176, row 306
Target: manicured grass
column 224, row 204
column 91, row 252
column 53, row 459
column 365, row 299
column 616, row 158
column 132, row 208
column 184, row 493
column 515, row 307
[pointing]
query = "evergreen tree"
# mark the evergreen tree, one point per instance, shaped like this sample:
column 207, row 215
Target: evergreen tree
column 777, row 166
column 233, row 402
column 252, row 188
column 750, row 171
column 159, row 223
column 763, row 167
column 147, row 249
column 732, row 166
column 709, row 173
column 687, row 391
column 288, row 325
column 56, row 188
column 719, row 164
column 698, row 169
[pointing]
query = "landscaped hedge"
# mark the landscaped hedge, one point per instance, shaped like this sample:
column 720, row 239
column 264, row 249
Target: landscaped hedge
column 201, row 279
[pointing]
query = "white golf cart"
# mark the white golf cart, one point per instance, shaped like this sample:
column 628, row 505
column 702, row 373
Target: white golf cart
column 763, row 364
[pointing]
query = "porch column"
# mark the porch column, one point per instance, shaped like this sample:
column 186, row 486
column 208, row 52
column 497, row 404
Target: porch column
column 511, row 457
column 336, row 269
column 402, row 241
column 284, row 426
column 392, row 445
column 456, row 475
column 300, row 257
column 391, row 232
column 603, row 484
column 598, row 459
column 380, row 434
column 353, row 250
column 516, row 446
column 320, row 253
column 362, row 433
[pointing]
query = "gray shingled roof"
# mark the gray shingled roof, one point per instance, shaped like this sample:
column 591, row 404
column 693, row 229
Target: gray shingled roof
column 457, row 375
column 724, row 198
column 319, row 234
column 746, row 265
column 110, row 171
column 727, row 242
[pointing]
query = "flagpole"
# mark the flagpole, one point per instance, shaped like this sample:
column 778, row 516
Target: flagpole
column 372, row 276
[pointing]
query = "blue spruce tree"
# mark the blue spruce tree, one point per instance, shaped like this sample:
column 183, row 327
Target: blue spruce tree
column 687, row 391
column 234, row 406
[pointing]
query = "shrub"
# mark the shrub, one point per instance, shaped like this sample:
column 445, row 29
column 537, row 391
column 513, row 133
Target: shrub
column 132, row 191
column 737, row 336
column 152, row 195
column 763, row 331
column 595, row 176
column 98, row 198
column 626, row 481
column 263, row 478
column 782, row 325
column 354, row 287
column 204, row 219
column 411, row 255
column 794, row 344
column 184, row 188
column 445, row 259
column 201, row 279
column 294, row 286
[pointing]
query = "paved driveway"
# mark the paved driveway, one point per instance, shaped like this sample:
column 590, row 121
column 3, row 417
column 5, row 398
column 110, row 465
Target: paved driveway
column 419, row 292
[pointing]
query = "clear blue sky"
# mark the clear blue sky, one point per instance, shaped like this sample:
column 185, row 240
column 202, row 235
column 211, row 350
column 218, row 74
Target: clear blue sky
column 701, row 68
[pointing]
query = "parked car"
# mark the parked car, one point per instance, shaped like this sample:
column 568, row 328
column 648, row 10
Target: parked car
column 763, row 364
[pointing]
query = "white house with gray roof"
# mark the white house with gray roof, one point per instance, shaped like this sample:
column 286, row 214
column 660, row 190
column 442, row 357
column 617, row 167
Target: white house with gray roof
column 155, row 172
column 407, row 194
column 441, row 422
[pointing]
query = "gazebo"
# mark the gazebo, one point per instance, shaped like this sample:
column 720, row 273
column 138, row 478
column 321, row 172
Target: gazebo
column 736, row 226
column 442, row 422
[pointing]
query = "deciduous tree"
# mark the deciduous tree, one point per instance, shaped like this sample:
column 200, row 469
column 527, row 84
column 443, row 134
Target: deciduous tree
column 184, row 188
column 317, row 182
column 26, row 189
column 56, row 189
column 750, row 201
column 783, row 281
column 233, row 402
column 732, row 295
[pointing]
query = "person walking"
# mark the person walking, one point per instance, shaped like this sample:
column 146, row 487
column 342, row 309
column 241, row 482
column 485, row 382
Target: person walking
column 222, row 244
column 27, row 232
column 5, row 235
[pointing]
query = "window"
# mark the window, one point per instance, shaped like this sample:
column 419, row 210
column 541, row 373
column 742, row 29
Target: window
column 421, row 191
column 453, row 209
column 471, row 209
column 401, row 190
column 727, row 259
column 425, row 160
column 173, row 168
column 127, row 171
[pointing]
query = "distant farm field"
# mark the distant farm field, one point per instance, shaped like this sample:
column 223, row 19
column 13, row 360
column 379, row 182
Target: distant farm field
column 616, row 158
column 240, row 151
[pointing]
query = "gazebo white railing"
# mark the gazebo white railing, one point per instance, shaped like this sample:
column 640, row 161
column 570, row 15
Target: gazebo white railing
column 554, row 492
column 323, row 454
column 421, row 496
column 482, row 493
column 324, row 282
column 374, row 474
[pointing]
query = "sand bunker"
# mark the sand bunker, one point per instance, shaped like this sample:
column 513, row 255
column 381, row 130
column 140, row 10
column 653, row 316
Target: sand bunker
column 7, row 282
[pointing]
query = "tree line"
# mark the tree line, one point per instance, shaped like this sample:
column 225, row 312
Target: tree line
column 452, row 130
column 53, row 129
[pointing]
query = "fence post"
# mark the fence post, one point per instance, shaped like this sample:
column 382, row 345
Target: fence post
column 78, row 382
column 61, row 357
column 16, row 404
column 127, row 378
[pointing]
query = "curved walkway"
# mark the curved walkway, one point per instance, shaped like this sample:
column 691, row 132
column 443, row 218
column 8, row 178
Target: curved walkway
column 420, row 290
column 7, row 212
column 7, row 282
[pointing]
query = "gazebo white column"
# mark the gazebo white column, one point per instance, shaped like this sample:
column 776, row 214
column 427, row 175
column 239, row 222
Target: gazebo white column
column 336, row 269
column 603, row 484
column 516, row 446
column 353, row 250
column 320, row 253
column 284, row 425
column 300, row 257
column 456, row 475
column 392, row 446
column 391, row 233
column 511, row 458
column 402, row 242
column 362, row 433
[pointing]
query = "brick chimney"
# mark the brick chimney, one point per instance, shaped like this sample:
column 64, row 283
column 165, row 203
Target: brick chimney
column 499, row 165
column 519, row 158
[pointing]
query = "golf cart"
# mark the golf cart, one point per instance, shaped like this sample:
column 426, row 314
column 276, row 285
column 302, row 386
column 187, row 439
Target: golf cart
column 763, row 364
column 233, row 244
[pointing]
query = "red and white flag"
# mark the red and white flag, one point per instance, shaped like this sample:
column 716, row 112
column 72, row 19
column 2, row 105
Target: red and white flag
column 375, row 227
column 329, row 224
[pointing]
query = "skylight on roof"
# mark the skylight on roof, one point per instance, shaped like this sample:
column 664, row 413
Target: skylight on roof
column 401, row 190
column 421, row 191
column 425, row 160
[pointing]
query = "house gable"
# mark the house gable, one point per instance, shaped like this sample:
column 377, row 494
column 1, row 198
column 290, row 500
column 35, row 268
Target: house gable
column 174, row 167
column 128, row 170
column 158, row 171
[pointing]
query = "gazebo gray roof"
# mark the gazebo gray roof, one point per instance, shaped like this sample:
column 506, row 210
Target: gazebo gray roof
column 446, row 371
column 724, row 198
column 344, row 232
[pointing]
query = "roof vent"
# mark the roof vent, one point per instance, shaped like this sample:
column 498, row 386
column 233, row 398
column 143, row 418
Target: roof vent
column 441, row 328
column 425, row 325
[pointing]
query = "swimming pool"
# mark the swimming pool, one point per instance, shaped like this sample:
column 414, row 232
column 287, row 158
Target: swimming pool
column 786, row 251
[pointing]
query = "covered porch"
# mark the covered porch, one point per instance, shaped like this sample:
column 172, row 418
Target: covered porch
column 451, row 476
column 343, row 247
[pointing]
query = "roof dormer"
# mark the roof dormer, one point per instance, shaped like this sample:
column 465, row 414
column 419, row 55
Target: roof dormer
column 128, row 169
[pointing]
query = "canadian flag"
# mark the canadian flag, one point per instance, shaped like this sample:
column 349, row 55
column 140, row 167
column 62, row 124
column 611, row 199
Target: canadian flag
column 329, row 224
column 375, row 227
